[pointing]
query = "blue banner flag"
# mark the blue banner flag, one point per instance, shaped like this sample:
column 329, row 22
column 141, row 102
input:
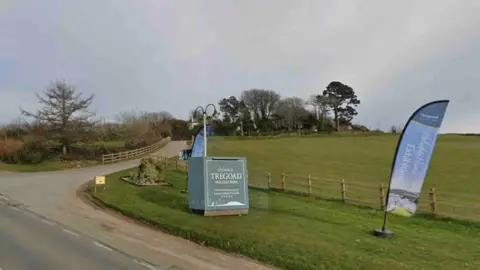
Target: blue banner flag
column 197, row 147
column 412, row 158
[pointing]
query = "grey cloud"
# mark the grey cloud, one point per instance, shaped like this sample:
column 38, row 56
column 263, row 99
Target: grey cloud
column 175, row 55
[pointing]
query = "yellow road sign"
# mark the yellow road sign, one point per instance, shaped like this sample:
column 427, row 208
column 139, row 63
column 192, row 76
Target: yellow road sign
column 99, row 180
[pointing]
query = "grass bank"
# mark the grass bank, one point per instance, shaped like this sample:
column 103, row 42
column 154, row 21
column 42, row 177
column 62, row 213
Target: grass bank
column 295, row 232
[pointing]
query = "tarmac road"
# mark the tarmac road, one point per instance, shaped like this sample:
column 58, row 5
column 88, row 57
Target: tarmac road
column 29, row 242
column 52, row 197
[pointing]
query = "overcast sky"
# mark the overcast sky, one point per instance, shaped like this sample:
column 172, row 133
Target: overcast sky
column 173, row 55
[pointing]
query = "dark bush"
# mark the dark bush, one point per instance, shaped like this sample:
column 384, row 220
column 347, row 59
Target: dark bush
column 90, row 153
column 180, row 129
column 33, row 152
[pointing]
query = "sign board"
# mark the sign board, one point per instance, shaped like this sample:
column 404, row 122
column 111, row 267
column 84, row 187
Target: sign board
column 226, row 184
column 218, row 185
column 99, row 180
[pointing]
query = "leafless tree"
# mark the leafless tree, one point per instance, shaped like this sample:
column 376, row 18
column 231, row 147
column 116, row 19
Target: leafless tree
column 133, row 117
column 291, row 110
column 261, row 103
column 64, row 113
column 323, row 107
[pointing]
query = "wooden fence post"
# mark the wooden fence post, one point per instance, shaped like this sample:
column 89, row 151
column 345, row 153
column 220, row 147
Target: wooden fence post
column 309, row 185
column 284, row 180
column 103, row 159
column 269, row 178
column 343, row 190
column 382, row 197
column 433, row 201
column 176, row 164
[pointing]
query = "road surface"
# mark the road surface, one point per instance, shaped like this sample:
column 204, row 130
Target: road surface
column 51, row 196
column 29, row 242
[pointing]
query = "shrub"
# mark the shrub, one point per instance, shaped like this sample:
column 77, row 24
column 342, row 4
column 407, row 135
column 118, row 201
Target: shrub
column 10, row 150
column 150, row 171
column 34, row 150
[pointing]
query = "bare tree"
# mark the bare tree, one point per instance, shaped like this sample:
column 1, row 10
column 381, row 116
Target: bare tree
column 3, row 133
column 157, row 117
column 126, row 118
column 133, row 117
column 196, row 116
column 292, row 109
column 396, row 128
column 261, row 103
column 14, row 129
column 323, row 107
column 64, row 113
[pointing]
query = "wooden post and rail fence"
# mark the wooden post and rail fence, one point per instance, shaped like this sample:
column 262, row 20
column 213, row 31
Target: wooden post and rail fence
column 135, row 153
column 374, row 195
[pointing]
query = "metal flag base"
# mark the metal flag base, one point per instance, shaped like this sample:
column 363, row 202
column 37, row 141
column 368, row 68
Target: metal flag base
column 382, row 233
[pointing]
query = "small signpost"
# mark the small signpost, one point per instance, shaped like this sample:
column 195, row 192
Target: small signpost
column 99, row 181
column 218, row 185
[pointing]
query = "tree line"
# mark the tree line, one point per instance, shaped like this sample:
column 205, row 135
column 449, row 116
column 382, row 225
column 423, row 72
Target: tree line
column 260, row 110
column 64, row 128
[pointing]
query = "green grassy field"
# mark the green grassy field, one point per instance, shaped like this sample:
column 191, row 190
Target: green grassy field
column 361, row 159
column 294, row 232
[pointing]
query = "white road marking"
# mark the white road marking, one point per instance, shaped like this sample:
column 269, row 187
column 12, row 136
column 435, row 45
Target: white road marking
column 46, row 222
column 70, row 232
column 149, row 266
column 102, row 246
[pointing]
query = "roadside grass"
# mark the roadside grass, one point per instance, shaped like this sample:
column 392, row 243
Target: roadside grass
column 361, row 159
column 295, row 232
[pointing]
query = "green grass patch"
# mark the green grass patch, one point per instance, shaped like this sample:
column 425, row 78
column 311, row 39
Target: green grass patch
column 365, row 159
column 295, row 232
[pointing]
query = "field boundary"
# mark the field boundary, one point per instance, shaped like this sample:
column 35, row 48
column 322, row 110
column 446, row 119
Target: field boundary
column 436, row 203
column 132, row 154
column 272, row 135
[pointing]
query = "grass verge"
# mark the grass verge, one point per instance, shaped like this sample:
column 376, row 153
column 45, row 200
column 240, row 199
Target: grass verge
column 294, row 232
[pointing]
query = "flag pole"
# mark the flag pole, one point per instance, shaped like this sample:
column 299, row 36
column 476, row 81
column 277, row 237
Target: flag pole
column 383, row 232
